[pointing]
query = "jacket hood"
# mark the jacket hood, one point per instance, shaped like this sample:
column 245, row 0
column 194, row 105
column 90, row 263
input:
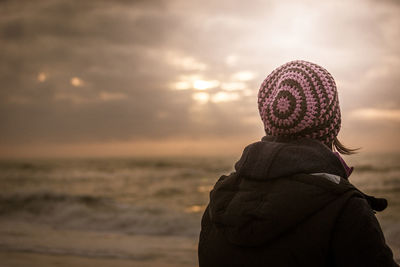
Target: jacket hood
column 275, row 157
column 272, row 189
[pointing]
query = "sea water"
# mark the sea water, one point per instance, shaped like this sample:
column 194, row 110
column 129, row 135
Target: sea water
column 135, row 211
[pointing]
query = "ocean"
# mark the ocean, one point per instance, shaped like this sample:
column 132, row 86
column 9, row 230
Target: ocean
column 135, row 211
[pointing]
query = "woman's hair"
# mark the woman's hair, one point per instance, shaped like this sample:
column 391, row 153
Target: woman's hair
column 339, row 147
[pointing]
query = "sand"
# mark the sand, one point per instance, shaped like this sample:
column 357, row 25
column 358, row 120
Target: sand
column 29, row 244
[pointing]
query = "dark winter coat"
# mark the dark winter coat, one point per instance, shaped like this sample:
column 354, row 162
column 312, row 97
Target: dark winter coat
column 288, row 203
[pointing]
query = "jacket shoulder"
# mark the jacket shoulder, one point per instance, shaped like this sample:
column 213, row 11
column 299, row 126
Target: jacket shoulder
column 358, row 239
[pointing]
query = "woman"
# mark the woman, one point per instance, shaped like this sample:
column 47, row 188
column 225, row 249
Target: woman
column 289, row 201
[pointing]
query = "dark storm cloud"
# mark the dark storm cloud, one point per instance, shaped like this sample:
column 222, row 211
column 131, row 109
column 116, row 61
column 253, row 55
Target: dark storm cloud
column 115, row 48
column 127, row 54
column 92, row 42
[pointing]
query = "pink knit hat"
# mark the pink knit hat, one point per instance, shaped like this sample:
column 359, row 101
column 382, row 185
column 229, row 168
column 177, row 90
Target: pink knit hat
column 299, row 99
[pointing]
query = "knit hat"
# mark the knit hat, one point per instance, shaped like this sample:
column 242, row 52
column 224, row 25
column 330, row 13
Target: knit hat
column 299, row 99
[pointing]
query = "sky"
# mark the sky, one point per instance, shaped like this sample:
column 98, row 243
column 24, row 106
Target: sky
column 179, row 77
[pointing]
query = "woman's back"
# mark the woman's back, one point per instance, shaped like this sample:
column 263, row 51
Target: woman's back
column 286, row 205
column 289, row 201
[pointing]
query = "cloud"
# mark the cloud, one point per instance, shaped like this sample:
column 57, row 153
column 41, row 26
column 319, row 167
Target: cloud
column 376, row 114
column 95, row 71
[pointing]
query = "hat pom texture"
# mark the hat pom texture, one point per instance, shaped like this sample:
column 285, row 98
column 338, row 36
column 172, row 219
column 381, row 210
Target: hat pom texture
column 300, row 99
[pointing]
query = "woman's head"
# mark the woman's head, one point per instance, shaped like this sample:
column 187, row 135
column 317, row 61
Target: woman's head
column 300, row 99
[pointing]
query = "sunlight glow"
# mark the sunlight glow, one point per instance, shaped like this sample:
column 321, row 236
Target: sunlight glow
column 182, row 85
column 201, row 98
column 243, row 76
column 75, row 81
column 186, row 82
column 377, row 114
column 195, row 209
column 203, row 84
column 224, row 97
column 42, row 77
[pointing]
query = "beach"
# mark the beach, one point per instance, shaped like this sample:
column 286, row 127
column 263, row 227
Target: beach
column 134, row 211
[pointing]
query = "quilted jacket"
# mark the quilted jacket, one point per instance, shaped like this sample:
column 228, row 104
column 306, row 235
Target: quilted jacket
column 289, row 203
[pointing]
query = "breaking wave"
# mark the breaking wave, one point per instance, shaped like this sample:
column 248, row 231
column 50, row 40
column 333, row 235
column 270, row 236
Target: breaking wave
column 373, row 168
column 37, row 203
column 90, row 213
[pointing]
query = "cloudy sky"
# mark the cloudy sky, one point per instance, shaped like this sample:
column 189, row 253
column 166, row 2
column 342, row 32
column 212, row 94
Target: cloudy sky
column 181, row 77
